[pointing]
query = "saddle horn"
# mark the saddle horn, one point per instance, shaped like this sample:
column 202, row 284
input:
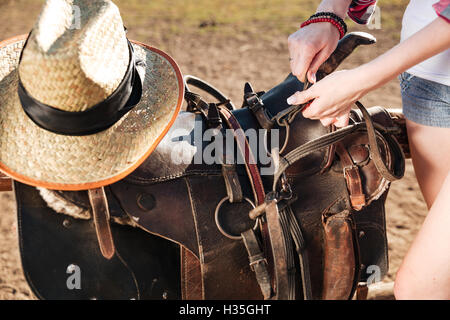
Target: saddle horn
column 344, row 48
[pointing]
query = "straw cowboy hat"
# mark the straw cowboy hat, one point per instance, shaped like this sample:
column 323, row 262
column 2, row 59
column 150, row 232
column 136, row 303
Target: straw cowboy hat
column 81, row 106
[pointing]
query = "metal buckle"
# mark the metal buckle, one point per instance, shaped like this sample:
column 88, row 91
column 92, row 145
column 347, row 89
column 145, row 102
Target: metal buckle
column 347, row 168
column 261, row 260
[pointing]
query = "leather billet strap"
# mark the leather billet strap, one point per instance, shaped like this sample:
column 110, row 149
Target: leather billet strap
column 336, row 136
column 97, row 118
column 300, row 247
column 100, row 212
column 285, row 232
column 258, row 262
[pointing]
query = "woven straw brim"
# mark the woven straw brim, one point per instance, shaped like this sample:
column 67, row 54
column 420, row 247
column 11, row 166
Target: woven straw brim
column 41, row 158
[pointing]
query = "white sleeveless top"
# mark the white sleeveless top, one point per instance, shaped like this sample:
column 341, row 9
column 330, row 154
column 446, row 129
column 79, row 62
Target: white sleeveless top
column 418, row 14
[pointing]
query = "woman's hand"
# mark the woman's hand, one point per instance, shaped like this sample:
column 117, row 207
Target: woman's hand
column 311, row 46
column 333, row 97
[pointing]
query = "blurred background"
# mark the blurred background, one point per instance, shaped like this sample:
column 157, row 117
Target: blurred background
column 228, row 43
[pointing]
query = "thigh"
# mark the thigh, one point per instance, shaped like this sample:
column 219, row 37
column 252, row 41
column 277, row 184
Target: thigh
column 426, row 105
column 430, row 153
column 425, row 271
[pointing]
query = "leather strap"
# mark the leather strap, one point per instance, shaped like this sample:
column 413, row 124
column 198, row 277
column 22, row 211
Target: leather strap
column 208, row 88
column 234, row 189
column 375, row 152
column 258, row 262
column 5, row 183
column 362, row 291
column 256, row 106
column 288, row 232
column 352, row 177
column 336, row 136
column 100, row 212
column 312, row 146
column 289, row 264
column 213, row 119
column 300, row 246
column 244, row 148
column 282, row 288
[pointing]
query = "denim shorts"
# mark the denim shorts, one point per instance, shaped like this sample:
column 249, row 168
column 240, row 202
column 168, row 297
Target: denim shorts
column 425, row 102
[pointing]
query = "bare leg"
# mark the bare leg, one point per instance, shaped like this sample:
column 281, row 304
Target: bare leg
column 430, row 152
column 425, row 271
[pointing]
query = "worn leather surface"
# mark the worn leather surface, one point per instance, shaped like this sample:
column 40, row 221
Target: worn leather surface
column 144, row 267
column 178, row 204
column 339, row 260
column 174, row 203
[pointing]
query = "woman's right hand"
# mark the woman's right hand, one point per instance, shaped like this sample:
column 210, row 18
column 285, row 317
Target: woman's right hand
column 311, row 46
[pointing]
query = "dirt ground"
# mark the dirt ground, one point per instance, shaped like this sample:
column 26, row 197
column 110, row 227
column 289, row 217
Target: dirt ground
column 228, row 54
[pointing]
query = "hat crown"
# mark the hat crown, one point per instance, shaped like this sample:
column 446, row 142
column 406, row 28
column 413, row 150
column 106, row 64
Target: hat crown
column 77, row 54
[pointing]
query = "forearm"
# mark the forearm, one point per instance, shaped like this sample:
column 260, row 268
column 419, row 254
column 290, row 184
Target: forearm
column 426, row 43
column 338, row 7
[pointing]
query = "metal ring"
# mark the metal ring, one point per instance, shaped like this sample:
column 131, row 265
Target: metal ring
column 216, row 217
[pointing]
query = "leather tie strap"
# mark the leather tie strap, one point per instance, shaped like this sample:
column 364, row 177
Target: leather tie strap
column 258, row 263
column 336, row 136
column 232, row 184
column 352, row 177
column 100, row 212
column 375, row 152
column 312, row 146
column 256, row 106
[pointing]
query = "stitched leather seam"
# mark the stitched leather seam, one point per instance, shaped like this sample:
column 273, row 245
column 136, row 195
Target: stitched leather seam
column 200, row 247
column 139, row 180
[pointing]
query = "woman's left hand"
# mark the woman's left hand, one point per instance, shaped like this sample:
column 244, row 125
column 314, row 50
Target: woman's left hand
column 333, row 97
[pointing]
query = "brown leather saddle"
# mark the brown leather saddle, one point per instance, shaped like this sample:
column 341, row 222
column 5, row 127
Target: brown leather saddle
column 310, row 224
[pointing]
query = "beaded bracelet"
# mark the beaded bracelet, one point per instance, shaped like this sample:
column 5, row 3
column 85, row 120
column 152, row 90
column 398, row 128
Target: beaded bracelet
column 332, row 15
column 328, row 17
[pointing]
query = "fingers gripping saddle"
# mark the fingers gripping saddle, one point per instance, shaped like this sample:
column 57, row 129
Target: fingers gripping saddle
column 184, row 227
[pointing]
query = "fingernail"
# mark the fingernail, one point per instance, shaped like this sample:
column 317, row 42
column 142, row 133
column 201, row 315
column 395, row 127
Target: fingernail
column 313, row 78
column 291, row 100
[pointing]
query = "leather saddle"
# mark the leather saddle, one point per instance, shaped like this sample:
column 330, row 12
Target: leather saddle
column 310, row 223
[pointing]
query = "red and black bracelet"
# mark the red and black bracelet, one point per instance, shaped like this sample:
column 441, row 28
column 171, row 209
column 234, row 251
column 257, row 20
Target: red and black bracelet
column 330, row 17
